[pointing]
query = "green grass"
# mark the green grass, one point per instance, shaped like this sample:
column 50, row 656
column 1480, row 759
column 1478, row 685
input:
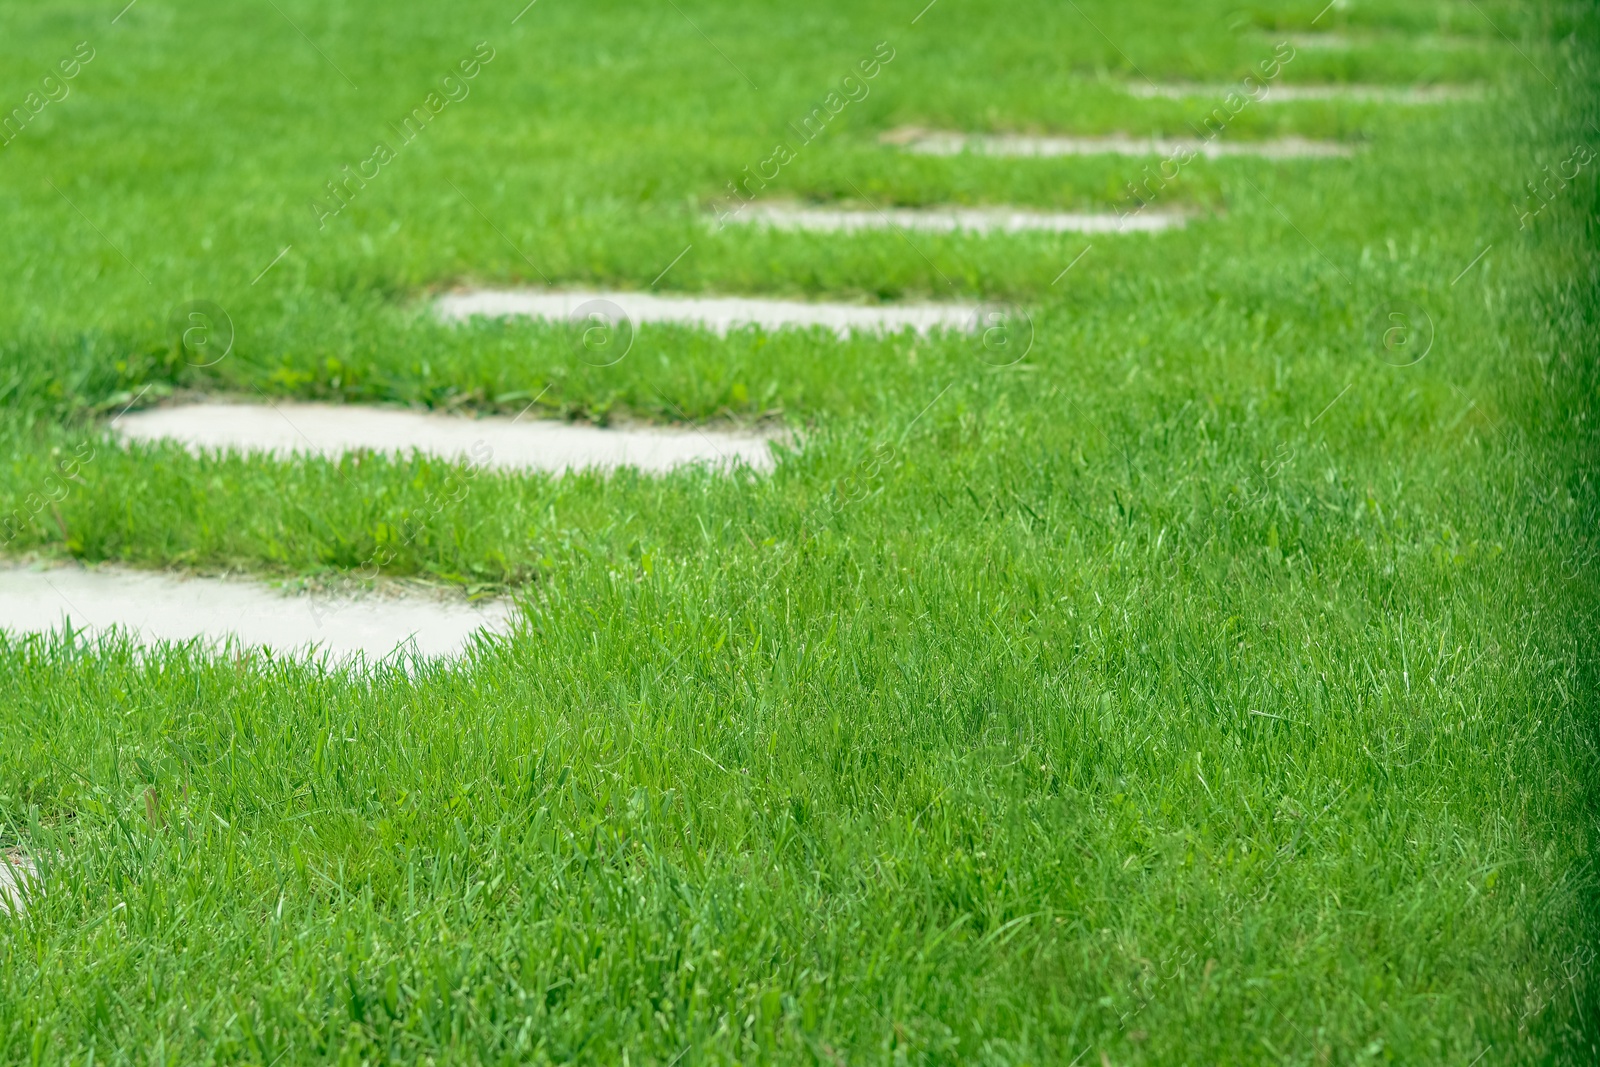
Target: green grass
column 1200, row 689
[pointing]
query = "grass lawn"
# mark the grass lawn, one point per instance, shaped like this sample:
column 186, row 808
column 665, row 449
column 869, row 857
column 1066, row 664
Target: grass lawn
column 1213, row 683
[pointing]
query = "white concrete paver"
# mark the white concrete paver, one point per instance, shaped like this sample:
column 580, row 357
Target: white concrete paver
column 945, row 143
column 162, row 607
column 956, row 220
column 497, row 442
column 1273, row 93
column 18, row 879
column 719, row 314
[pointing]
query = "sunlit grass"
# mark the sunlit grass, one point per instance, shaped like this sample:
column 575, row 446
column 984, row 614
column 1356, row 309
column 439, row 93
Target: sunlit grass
column 1204, row 687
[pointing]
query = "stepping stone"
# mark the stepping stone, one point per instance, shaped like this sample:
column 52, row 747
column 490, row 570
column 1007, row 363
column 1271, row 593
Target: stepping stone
column 160, row 607
column 1288, row 94
column 954, row 220
column 935, row 143
column 1316, row 42
column 1341, row 42
column 718, row 314
column 499, row 442
column 18, row 878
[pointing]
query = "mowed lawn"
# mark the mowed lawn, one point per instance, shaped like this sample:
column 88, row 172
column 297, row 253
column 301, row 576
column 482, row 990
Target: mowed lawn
column 1195, row 678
